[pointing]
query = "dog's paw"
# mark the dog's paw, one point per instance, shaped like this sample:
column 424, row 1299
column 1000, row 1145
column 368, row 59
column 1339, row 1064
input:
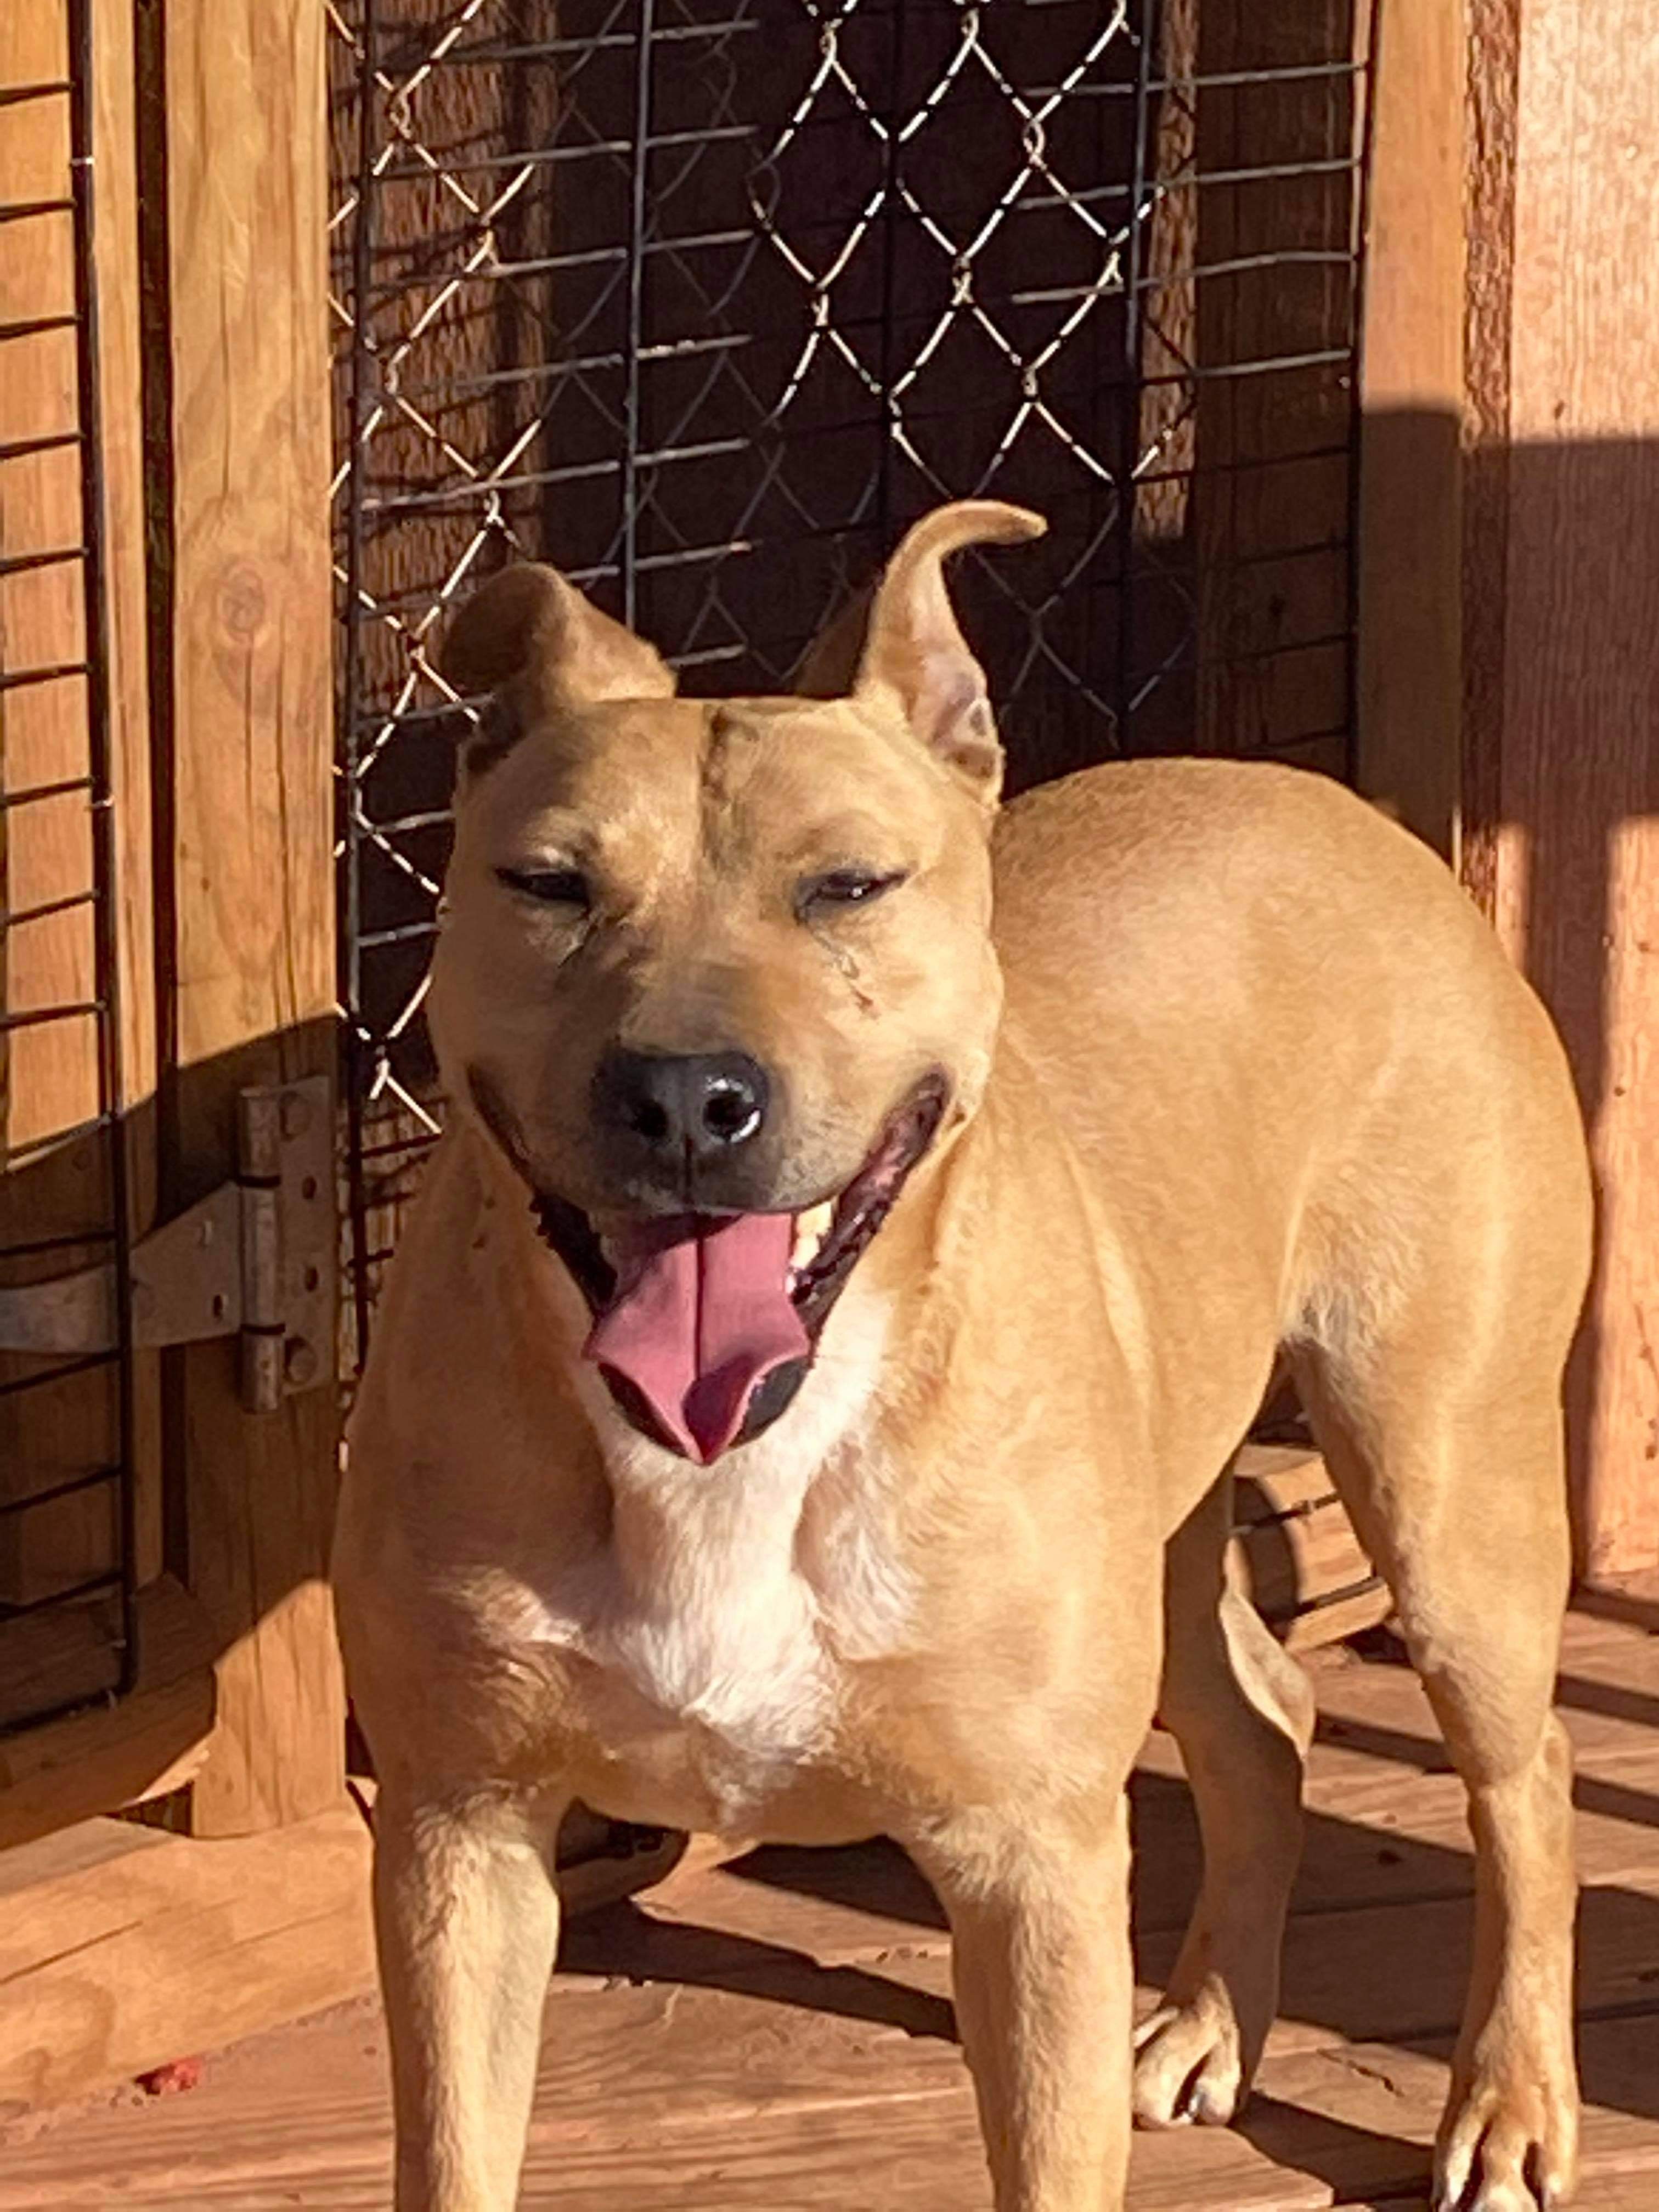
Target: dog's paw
column 1507, row 2146
column 1189, row 2065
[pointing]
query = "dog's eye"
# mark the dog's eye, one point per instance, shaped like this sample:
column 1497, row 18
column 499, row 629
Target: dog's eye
column 548, row 886
column 845, row 887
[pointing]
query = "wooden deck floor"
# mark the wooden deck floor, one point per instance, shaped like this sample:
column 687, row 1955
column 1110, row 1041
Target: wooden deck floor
column 777, row 2035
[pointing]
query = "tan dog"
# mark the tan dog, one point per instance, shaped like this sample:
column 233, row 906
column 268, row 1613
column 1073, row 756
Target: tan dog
column 675, row 1486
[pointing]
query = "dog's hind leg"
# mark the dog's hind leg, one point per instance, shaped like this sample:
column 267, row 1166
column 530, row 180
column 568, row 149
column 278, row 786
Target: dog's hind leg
column 466, row 1917
column 1241, row 1710
column 1456, row 1484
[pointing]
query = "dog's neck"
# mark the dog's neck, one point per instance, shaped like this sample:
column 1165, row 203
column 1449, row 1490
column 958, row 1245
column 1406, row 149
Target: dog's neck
column 705, row 1584
column 718, row 1590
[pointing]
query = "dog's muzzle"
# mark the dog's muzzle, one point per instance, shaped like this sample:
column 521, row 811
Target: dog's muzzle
column 705, row 1325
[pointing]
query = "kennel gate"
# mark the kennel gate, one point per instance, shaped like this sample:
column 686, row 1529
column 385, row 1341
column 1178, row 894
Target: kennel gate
column 703, row 300
column 68, row 1541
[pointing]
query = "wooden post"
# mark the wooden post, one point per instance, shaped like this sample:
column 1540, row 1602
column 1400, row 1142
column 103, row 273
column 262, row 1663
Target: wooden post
column 1562, row 788
column 247, row 761
column 1410, row 697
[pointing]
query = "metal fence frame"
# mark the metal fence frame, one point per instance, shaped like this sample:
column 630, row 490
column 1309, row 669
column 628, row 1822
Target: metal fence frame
column 112, row 1588
column 632, row 357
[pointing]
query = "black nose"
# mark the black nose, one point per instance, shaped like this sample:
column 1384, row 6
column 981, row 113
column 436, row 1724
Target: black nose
column 701, row 1104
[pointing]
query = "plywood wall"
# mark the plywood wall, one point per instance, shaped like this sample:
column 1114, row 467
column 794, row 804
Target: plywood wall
column 1561, row 784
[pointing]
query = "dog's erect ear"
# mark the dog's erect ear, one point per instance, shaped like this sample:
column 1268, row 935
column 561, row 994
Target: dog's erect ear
column 831, row 667
column 901, row 641
column 531, row 638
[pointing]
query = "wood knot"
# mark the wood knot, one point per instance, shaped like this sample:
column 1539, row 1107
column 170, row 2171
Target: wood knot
column 244, row 603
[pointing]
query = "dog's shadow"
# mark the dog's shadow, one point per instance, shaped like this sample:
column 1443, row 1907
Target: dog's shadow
column 625, row 1939
column 758, row 1960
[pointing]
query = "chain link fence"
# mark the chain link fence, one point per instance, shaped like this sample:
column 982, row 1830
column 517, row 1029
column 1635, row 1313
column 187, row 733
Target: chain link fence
column 704, row 300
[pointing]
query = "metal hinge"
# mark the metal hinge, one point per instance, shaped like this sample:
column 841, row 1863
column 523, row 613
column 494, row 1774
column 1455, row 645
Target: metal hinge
column 256, row 1259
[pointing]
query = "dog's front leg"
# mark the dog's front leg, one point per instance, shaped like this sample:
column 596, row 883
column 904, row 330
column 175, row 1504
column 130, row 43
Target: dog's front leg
column 467, row 1920
column 1045, row 1992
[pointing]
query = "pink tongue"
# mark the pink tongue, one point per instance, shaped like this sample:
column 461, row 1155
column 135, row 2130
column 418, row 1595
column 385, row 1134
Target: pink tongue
column 701, row 1316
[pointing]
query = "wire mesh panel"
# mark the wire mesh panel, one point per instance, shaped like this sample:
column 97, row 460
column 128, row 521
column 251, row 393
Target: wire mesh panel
column 66, row 1503
column 703, row 300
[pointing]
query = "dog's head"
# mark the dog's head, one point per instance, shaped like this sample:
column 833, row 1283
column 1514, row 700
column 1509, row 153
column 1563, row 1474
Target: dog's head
column 716, row 975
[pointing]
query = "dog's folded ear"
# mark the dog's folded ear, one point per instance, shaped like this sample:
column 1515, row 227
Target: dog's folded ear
column 899, row 641
column 530, row 639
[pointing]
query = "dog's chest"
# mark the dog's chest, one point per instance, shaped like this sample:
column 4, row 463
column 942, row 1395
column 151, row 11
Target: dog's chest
column 716, row 1640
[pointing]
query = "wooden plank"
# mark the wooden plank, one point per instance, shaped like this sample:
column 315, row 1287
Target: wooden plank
column 1567, row 768
column 1396, row 1973
column 251, row 912
column 111, row 1755
column 1393, row 1970
column 121, row 405
column 853, row 1906
column 1584, row 674
column 1373, row 1838
column 122, row 1947
column 1604, row 1686
column 1362, row 2116
column 772, row 2101
column 1369, row 1975
column 699, row 2098
column 1410, row 691
column 1299, row 1559
column 51, row 1070
column 693, row 2097
column 1370, row 1837
column 1492, row 849
column 1614, row 2192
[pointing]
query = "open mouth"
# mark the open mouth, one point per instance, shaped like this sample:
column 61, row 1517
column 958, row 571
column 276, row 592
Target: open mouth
column 705, row 1325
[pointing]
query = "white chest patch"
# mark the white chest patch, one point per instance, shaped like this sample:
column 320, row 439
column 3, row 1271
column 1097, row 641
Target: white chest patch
column 730, row 1598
